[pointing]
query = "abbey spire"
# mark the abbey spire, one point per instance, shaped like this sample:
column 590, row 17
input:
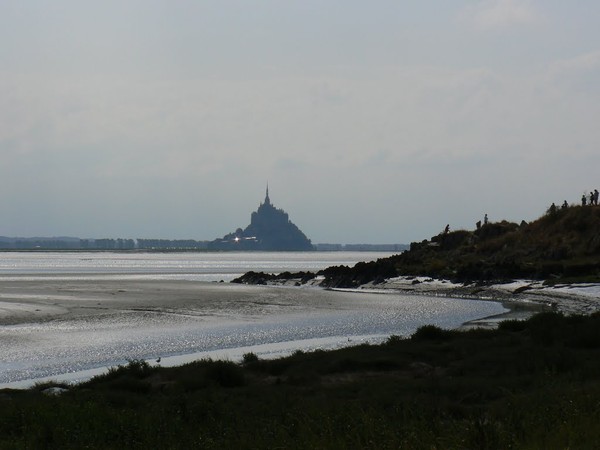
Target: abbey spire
column 267, row 199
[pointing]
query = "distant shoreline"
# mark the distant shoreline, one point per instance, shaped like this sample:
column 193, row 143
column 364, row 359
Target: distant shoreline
column 184, row 250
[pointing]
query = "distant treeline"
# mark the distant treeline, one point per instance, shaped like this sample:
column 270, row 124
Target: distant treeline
column 72, row 243
column 62, row 243
column 66, row 243
column 166, row 244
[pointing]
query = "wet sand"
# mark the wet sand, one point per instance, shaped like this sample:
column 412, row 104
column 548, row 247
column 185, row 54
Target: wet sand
column 517, row 295
column 37, row 301
column 57, row 325
column 26, row 300
column 521, row 298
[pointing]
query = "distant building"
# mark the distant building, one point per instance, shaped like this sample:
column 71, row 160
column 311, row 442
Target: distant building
column 270, row 229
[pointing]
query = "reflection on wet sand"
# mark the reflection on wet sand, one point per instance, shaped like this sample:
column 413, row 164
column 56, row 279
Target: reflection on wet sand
column 54, row 327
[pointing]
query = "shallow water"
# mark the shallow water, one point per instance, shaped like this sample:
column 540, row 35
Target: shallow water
column 38, row 350
column 181, row 320
column 194, row 266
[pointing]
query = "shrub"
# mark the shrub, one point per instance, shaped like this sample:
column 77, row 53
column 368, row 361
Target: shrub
column 512, row 325
column 546, row 327
column 225, row 373
column 394, row 339
column 249, row 357
column 429, row 332
column 134, row 369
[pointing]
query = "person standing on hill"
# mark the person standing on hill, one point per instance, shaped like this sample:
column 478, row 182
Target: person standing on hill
column 596, row 197
column 583, row 200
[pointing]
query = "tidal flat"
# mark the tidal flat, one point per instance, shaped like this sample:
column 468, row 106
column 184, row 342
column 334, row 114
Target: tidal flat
column 58, row 328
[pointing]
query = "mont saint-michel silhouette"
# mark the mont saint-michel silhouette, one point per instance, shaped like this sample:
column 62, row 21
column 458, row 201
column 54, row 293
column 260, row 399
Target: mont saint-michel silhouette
column 270, row 229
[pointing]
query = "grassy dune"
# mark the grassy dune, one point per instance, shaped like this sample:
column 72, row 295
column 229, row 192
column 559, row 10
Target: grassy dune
column 532, row 384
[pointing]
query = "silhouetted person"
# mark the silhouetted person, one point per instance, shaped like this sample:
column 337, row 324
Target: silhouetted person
column 592, row 196
column 583, row 200
column 595, row 196
column 565, row 205
column 552, row 209
column 485, row 220
column 447, row 229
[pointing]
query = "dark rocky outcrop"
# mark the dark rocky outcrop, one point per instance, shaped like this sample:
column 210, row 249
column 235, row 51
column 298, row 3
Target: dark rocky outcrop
column 262, row 277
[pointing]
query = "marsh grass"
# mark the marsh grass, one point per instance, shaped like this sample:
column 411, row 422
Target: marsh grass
column 532, row 384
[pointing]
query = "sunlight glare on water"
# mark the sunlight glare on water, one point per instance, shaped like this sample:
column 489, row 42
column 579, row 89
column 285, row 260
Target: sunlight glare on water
column 219, row 316
column 196, row 266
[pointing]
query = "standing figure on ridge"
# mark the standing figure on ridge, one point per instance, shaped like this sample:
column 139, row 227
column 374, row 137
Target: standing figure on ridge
column 583, row 200
column 485, row 220
column 596, row 197
column 592, row 196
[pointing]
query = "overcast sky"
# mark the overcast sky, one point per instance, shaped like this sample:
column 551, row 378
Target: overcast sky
column 372, row 122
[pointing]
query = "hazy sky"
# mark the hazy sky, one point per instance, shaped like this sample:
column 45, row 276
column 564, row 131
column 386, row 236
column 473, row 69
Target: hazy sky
column 372, row 122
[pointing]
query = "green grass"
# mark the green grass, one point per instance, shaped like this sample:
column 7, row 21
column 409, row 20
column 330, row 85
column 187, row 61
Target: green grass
column 532, row 385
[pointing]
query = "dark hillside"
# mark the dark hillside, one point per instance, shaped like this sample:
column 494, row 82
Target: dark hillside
column 562, row 244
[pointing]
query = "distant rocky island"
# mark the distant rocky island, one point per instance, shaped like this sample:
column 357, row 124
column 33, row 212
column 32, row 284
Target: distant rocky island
column 270, row 229
column 561, row 246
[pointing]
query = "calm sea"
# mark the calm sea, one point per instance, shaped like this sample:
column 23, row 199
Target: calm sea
column 223, row 320
column 159, row 266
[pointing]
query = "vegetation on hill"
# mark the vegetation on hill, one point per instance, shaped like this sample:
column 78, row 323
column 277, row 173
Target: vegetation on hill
column 562, row 245
column 532, row 384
